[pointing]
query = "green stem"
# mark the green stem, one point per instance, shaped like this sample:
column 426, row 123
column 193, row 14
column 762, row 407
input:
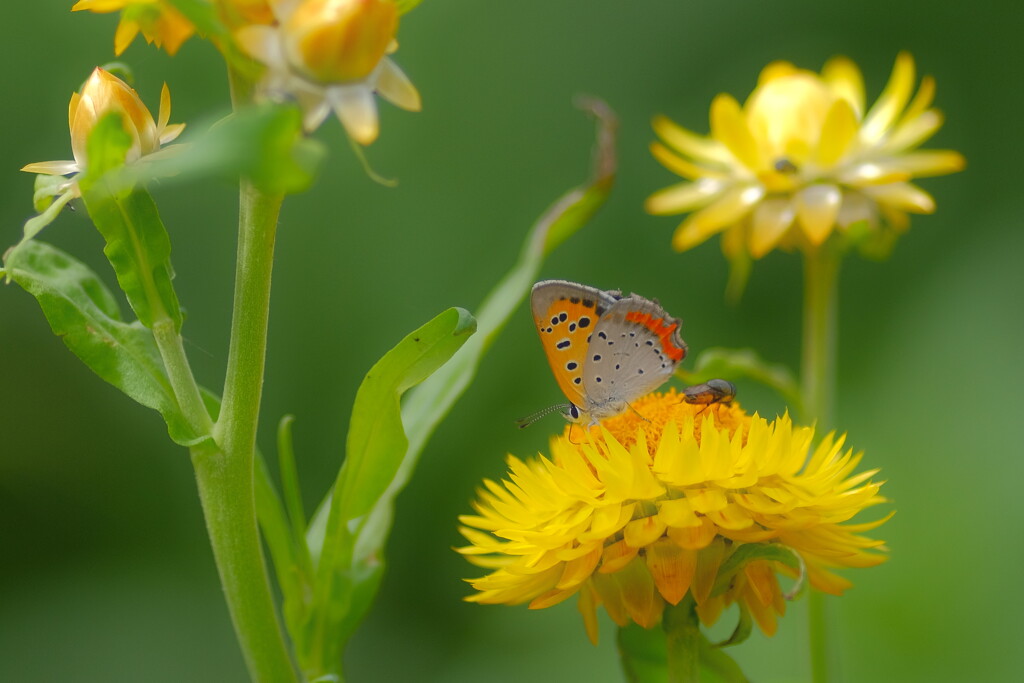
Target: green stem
column 225, row 474
column 818, row 371
column 243, row 384
column 821, row 274
column 682, row 641
column 225, row 483
column 183, row 383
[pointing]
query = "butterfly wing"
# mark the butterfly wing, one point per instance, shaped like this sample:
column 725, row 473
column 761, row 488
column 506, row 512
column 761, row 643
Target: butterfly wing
column 566, row 314
column 635, row 349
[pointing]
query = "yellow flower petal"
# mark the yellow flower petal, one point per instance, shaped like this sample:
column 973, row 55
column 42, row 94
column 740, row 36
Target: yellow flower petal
column 683, row 197
column 844, row 78
column 776, row 70
column 357, row 112
column 51, row 167
column 912, row 133
column 672, row 568
column 816, row 209
column 837, row 133
column 726, row 210
column 394, row 86
column 922, row 100
column 884, row 113
column 902, row 197
column 683, row 167
column 124, row 35
column 772, row 218
column 695, row 146
column 729, row 126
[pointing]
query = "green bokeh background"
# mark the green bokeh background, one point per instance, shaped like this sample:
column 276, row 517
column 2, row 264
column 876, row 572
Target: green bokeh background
column 105, row 572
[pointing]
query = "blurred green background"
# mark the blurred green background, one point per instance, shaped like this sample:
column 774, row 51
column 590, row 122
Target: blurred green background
column 105, row 572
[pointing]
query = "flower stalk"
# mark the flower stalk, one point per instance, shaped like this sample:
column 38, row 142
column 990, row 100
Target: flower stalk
column 225, row 473
column 818, row 370
column 682, row 642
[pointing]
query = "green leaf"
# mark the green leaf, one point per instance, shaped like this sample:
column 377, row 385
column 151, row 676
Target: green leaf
column 744, row 627
column 45, row 188
column 733, row 364
column 645, row 660
column 716, row 666
column 642, row 652
column 263, row 143
column 83, row 312
column 137, row 244
column 749, row 552
column 374, row 451
column 427, row 404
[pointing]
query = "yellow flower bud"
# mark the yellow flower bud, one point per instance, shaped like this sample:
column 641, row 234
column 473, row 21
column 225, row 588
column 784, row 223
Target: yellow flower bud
column 339, row 40
column 104, row 93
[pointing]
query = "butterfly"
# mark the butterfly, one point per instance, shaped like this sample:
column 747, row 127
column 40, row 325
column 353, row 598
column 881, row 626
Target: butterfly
column 606, row 350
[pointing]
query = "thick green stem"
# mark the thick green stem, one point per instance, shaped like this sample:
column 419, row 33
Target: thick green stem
column 225, row 473
column 226, row 490
column 243, row 384
column 821, row 310
column 682, row 642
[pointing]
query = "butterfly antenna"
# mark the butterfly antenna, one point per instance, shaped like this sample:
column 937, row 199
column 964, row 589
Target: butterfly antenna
column 525, row 422
column 638, row 414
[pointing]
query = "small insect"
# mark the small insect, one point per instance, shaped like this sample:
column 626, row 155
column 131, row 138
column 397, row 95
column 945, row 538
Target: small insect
column 606, row 350
column 712, row 391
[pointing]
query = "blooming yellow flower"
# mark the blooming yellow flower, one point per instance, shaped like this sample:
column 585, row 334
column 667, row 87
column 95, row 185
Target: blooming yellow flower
column 642, row 511
column 104, row 93
column 160, row 23
column 331, row 55
column 802, row 159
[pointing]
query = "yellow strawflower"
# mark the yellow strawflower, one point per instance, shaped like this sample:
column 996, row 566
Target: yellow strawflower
column 332, row 56
column 639, row 512
column 104, row 93
column 802, row 159
column 160, row 23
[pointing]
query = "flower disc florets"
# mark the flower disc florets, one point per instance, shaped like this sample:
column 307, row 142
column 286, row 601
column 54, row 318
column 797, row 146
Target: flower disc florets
column 642, row 511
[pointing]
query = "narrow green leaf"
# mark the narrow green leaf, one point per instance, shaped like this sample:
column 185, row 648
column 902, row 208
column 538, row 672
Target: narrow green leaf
column 374, row 451
column 427, row 404
column 83, row 312
column 287, row 552
column 137, row 244
column 749, row 552
column 733, row 364
column 376, row 440
column 290, row 478
column 744, row 627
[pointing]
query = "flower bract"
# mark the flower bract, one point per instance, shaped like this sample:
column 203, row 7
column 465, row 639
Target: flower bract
column 802, row 159
column 641, row 512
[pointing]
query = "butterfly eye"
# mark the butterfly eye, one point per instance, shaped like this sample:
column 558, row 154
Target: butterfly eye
column 574, row 412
